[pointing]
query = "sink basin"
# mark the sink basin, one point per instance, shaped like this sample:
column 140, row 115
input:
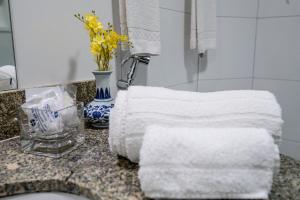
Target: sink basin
column 46, row 196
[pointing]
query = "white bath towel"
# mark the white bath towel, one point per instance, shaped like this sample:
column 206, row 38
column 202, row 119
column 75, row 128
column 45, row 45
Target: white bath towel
column 207, row 163
column 140, row 107
column 140, row 20
column 203, row 25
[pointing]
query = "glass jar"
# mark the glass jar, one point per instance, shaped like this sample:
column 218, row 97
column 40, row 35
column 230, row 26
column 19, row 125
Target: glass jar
column 52, row 133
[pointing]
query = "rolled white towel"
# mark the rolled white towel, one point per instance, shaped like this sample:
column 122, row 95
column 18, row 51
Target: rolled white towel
column 142, row 106
column 146, row 92
column 207, row 163
column 116, row 123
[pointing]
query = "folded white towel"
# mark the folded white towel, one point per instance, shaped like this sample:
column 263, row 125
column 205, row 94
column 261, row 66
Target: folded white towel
column 116, row 123
column 203, row 25
column 140, row 106
column 207, row 163
column 140, row 20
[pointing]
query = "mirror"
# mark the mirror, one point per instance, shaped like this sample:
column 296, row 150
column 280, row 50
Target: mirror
column 8, row 80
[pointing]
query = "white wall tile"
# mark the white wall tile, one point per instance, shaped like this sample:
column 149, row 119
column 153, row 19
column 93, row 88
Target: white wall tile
column 176, row 64
column 268, row 8
column 192, row 86
column 287, row 94
column 237, row 8
column 228, row 84
column 177, row 5
column 233, row 57
column 278, row 48
column 290, row 148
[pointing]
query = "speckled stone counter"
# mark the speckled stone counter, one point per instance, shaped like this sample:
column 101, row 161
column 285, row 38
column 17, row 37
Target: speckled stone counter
column 94, row 172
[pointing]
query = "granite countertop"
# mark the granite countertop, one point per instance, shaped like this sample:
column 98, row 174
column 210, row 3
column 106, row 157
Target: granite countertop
column 93, row 171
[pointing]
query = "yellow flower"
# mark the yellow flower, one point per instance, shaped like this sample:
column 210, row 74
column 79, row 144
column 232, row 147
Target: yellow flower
column 98, row 39
column 95, row 48
column 90, row 17
column 92, row 23
column 92, row 35
column 103, row 41
column 96, row 44
column 114, row 36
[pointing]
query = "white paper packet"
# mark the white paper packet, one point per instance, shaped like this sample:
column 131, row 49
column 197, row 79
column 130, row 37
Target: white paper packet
column 50, row 110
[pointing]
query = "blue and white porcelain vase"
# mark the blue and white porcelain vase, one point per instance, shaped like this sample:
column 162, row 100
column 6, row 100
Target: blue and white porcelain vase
column 97, row 111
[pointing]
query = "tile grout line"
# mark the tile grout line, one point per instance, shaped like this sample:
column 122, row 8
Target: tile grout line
column 178, row 11
column 277, row 79
column 178, row 84
column 226, row 78
column 213, row 79
column 290, row 140
column 283, row 16
column 238, row 17
column 255, row 42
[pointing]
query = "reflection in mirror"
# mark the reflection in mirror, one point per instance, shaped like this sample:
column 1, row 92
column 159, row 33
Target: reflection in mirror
column 8, row 79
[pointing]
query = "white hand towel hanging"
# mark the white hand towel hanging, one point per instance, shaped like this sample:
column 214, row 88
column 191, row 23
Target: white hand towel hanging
column 203, row 25
column 140, row 20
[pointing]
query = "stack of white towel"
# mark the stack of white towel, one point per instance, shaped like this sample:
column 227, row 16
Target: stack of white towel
column 140, row 106
column 255, row 113
column 207, row 163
